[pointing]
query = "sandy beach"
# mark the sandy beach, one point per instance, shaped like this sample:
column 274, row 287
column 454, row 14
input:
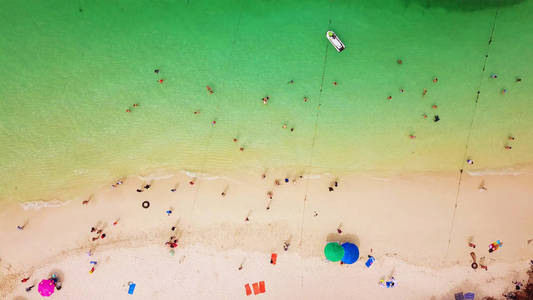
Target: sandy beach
column 416, row 226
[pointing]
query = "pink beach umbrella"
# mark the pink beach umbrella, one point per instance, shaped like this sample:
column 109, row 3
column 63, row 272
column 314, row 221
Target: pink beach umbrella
column 46, row 287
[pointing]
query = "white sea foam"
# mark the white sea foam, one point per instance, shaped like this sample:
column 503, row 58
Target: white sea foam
column 204, row 176
column 36, row 205
column 313, row 176
column 155, row 177
column 500, row 172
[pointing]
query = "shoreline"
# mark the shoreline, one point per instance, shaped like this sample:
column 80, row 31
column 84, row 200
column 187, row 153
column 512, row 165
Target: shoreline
column 64, row 195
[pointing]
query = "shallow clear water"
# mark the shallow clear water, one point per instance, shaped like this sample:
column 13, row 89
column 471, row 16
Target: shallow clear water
column 68, row 76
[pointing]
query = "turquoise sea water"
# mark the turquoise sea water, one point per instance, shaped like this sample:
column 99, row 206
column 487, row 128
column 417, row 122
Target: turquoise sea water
column 70, row 69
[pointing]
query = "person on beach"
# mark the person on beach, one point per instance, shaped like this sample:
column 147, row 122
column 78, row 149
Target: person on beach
column 330, row 189
column 511, row 138
column 21, row 227
column 173, row 190
column 469, row 161
column 412, row 136
column 507, row 147
column 28, row 289
column 305, row 99
column 286, row 245
column 276, row 182
column 388, row 284
column 269, row 194
column 25, row 279
column 493, row 76
column 169, row 212
column 424, row 92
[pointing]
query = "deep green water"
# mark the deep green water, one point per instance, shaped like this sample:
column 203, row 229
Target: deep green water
column 70, row 69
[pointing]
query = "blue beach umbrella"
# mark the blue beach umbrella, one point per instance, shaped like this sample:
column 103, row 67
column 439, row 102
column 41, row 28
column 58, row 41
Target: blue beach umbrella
column 351, row 253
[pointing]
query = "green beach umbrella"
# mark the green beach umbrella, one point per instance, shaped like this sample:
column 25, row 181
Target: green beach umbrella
column 334, row 251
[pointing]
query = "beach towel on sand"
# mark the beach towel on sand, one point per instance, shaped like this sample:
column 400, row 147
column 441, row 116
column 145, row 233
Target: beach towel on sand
column 469, row 296
column 131, row 288
column 255, row 285
column 248, row 289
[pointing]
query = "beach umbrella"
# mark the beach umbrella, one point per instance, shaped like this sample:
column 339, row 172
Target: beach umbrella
column 46, row 287
column 334, row 251
column 351, row 253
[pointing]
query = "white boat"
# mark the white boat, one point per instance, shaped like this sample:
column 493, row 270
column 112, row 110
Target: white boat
column 335, row 41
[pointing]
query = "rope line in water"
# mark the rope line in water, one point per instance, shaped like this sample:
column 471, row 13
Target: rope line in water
column 465, row 155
